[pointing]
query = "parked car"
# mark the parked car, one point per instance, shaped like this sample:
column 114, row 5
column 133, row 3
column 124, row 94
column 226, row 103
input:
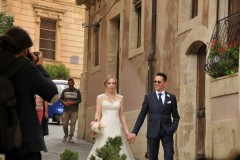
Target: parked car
column 55, row 110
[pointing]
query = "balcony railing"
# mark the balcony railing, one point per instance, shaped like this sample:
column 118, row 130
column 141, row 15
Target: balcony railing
column 223, row 47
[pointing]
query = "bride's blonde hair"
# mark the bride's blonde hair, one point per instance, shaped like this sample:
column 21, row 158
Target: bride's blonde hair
column 109, row 77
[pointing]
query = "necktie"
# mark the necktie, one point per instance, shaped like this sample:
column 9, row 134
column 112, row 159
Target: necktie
column 160, row 99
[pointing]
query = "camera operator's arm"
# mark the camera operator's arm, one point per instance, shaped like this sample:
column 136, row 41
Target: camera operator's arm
column 43, row 71
column 39, row 59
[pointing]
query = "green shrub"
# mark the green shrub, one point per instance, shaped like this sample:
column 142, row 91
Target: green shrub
column 69, row 155
column 111, row 150
column 57, row 71
column 6, row 22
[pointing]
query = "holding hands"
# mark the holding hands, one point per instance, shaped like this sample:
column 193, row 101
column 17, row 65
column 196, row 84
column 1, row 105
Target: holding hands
column 131, row 137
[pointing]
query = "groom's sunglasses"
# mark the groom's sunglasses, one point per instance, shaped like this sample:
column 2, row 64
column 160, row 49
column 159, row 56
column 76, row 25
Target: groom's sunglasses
column 157, row 82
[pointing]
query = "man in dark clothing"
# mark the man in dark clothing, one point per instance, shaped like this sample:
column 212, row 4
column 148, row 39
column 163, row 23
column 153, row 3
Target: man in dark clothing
column 31, row 79
column 70, row 97
column 163, row 119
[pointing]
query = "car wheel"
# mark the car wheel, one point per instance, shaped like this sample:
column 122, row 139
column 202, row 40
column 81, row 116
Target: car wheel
column 57, row 119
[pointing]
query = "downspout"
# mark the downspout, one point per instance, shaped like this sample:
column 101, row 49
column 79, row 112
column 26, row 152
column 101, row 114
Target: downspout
column 152, row 51
column 151, row 56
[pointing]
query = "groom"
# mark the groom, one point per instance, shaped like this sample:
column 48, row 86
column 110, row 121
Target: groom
column 162, row 121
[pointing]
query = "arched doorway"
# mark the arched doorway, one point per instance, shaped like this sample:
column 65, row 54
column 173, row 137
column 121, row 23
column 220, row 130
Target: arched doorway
column 200, row 104
column 198, row 51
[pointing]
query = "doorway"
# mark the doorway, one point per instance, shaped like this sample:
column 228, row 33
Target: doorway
column 201, row 119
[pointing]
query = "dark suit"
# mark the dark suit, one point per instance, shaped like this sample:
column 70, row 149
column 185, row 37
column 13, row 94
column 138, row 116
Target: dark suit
column 162, row 123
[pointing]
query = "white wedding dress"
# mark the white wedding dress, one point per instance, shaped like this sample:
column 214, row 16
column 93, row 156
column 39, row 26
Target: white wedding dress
column 110, row 119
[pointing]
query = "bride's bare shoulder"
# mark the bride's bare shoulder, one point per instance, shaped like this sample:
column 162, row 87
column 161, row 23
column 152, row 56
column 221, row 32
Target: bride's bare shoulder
column 119, row 96
column 100, row 96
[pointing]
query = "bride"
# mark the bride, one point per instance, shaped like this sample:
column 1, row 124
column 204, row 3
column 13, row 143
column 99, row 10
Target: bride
column 110, row 114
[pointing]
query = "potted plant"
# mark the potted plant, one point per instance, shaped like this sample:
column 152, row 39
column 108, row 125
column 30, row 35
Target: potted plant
column 222, row 59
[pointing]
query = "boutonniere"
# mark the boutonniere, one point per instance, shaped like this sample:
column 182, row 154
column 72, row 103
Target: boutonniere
column 168, row 95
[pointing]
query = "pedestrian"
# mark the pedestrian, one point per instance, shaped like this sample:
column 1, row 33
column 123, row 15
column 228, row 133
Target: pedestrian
column 163, row 119
column 42, row 112
column 70, row 97
column 31, row 79
column 42, row 108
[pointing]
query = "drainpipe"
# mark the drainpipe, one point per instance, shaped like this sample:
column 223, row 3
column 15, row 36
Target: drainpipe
column 152, row 51
column 151, row 56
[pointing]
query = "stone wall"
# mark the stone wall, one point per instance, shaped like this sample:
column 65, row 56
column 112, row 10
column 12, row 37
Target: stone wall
column 225, row 117
column 178, row 40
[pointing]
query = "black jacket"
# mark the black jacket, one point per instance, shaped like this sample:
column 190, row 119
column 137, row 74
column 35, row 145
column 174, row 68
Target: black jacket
column 27, row 82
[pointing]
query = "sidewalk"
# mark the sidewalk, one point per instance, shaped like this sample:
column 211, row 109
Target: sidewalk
column 56, row 147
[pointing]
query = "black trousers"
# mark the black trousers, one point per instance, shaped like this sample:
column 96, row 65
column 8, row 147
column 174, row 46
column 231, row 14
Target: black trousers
column 31, row 156
column 154, row 145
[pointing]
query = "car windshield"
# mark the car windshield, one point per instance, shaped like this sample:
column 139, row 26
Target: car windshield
column 61, row 87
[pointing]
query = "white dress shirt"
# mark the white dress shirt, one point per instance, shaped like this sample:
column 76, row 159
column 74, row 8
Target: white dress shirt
column 162, row 96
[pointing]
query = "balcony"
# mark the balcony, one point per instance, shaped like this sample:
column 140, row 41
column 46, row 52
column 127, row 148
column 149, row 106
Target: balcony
column 223, row 47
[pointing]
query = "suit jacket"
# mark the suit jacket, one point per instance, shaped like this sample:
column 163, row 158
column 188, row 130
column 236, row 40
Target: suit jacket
column 161, row 116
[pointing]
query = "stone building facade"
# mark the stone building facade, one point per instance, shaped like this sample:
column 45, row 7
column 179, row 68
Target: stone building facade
column 55, row 27
column 135, row 39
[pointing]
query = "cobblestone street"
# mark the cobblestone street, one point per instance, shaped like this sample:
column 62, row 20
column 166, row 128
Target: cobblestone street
column 55, row 145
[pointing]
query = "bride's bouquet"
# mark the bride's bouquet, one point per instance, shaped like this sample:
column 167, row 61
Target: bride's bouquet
column 97, row 127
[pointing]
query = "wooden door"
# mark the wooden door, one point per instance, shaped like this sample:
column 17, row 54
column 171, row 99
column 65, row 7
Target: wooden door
column 201, row 120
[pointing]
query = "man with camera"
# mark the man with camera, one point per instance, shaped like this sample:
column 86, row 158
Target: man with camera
column 29, row 80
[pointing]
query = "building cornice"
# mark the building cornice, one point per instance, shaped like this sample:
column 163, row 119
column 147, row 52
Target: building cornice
column 49, row 12
column 87, row 3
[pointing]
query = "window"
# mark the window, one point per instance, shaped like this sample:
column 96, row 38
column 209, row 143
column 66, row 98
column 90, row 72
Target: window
column 139, row 28
column 136, row 25
column 138, row 8
column 96, row 46
column 48, row 38
column 194, row 8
